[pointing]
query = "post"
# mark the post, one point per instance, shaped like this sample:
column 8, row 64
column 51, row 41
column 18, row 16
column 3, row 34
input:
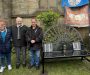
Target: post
column 89, row 27
column 43, row 70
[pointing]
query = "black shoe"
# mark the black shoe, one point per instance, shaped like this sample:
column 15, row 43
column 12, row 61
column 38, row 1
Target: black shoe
column 30, row 66
column 37, row 67
column 17, row 66
column 24, row 65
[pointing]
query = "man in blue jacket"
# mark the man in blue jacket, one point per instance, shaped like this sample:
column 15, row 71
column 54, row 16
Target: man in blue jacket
column 5, row 46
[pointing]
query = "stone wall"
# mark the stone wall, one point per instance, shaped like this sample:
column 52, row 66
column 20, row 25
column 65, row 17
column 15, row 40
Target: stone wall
column 21, row 7
column 5, row 10
column 1, row 9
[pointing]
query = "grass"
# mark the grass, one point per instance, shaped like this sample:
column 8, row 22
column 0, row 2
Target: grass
column 64, row 67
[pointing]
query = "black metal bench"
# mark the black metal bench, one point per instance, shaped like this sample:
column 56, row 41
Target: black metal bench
column 63, row 41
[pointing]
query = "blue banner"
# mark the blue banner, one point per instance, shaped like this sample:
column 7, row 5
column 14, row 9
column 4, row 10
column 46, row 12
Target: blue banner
column 74, row 3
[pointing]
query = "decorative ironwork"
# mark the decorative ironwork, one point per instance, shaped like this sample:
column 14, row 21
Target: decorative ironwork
column 61, row 32
column 61, row 37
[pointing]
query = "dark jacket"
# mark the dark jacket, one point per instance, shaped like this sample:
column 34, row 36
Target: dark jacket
column 19, row 42
column 34, row 34
column 5, row 47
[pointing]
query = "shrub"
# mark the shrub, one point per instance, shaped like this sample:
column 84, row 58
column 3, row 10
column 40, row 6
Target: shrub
column 48, row 18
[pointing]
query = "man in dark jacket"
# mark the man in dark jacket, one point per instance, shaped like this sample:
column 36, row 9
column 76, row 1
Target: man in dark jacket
column 5, row 45
column 19, row 41
column 34, row 38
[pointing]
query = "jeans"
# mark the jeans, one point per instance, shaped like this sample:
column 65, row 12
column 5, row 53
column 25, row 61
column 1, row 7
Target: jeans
column 18, row 54
column 5, row 58
column 0, row 60
column 34, row 57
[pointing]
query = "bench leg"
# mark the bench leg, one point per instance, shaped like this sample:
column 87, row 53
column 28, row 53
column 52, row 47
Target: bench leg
column 87, row 59
column 43, row 70
column 82, row 58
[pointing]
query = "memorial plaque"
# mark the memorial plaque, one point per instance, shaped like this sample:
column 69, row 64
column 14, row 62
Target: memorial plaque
column 48, row 47
column 76, row 45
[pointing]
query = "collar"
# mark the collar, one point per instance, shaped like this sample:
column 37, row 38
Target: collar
column 19, row 25
column 35, row 27
column 5, row 30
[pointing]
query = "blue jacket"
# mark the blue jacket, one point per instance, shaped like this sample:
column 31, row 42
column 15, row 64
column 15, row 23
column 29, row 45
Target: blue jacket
column 5, row 47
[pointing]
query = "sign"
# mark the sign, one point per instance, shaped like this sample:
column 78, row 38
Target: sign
column 77, row 17
column 74, row 3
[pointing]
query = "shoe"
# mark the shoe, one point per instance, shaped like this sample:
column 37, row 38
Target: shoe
column 17, row 66
column 30, row 66
column 9, row 67
column 2, row 69
column 37, row 67
column 24, row 65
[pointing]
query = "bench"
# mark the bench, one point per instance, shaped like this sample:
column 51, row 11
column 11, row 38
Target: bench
column 63, row 41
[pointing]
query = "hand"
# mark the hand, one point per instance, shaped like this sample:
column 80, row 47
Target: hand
column 32, row 41
column 89, row 34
